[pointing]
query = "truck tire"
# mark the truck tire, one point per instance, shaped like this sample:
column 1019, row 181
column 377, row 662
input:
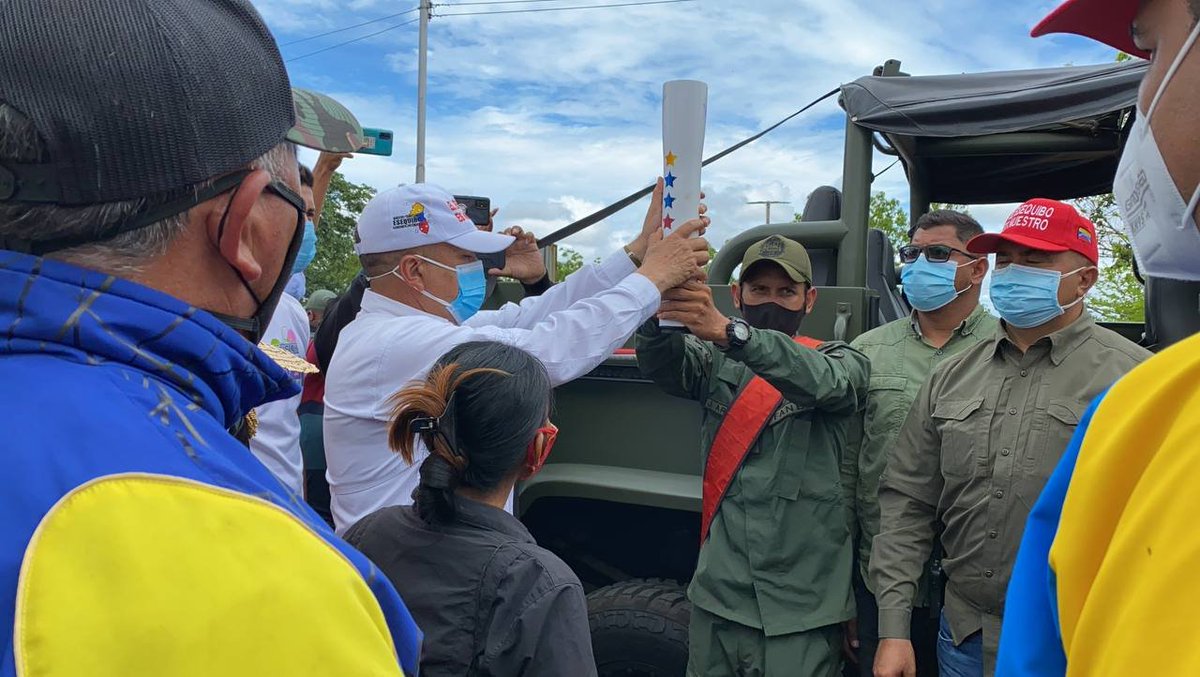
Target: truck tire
column 640, row 628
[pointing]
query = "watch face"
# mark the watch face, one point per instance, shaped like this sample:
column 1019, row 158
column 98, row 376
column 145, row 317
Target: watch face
column 741, row 331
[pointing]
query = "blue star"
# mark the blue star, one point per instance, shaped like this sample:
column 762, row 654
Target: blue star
column 668, row 201
column 669, row 180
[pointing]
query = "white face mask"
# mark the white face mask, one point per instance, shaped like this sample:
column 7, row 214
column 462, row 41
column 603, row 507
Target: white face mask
column 1161, row 223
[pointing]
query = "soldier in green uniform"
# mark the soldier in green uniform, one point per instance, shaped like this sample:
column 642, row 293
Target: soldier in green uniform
column 772, row 586
column 942, row 283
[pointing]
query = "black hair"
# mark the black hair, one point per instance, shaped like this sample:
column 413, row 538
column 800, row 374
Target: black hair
column 338, row 314
column 306, row 176
column 965, row 226
column 488, row 400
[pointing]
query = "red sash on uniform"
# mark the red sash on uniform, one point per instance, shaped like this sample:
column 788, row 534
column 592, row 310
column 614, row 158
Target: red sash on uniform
column 743, row 423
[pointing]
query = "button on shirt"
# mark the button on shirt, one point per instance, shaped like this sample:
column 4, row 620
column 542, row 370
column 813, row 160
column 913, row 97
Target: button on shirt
column 571, row 328
column 999, row 420
column 901, row 361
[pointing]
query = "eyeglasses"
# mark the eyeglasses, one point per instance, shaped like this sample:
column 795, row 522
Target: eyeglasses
column 934, row 253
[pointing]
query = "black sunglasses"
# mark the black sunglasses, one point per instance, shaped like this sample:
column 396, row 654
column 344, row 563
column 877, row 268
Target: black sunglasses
column 935, row 253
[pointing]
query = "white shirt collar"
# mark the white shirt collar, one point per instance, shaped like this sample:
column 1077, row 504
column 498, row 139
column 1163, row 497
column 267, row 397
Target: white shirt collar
column 374, row 302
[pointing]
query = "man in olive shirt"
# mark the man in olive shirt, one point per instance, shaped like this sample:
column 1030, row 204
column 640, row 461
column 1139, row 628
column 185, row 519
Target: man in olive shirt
column 999, row 415
column 772, row 585
column 942, row 282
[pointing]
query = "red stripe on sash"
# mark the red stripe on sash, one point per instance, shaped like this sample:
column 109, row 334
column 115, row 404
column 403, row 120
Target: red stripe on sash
column 741, row 427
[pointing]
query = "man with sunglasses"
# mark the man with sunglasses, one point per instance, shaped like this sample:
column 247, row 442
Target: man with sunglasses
column 1105, row 583
column 149, row 218
column 984, row 433
column 942, row 282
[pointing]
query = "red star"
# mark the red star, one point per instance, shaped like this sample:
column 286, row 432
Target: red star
column 668, row 222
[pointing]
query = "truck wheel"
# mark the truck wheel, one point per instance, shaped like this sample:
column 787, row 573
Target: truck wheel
column 640, row 628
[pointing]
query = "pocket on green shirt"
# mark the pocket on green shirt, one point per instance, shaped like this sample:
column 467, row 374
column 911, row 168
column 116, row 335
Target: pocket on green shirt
column 1050, row 437
column 964, row 436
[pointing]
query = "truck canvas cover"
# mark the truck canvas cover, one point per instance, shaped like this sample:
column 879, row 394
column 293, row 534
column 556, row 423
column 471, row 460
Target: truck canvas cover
column 1059, row 130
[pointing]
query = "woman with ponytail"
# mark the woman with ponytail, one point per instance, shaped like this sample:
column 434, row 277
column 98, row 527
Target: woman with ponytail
column 489, row 599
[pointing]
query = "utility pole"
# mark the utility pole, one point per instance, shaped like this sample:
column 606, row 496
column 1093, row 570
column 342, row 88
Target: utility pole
column 768, row 203
column 422, row 77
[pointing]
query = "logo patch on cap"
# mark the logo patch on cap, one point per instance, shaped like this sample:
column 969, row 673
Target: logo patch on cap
column 772, row 247
column 459, row 212
column 1085, row 235
column 415, row 219
column 1030, row 215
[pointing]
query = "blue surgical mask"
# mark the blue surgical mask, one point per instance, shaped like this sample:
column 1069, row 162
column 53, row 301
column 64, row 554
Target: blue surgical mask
column 308, row 248
column 1028, row 297
column 929, row 286
column 472, row 288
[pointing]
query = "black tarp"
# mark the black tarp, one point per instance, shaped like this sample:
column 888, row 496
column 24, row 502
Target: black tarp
column 1064, row 129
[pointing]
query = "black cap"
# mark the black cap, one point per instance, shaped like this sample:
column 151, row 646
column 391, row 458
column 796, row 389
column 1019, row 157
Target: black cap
column 139, row 98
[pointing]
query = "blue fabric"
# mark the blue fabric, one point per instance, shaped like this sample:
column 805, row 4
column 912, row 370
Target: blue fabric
column 1030, row 639
column 100, row 376
column 964, row 660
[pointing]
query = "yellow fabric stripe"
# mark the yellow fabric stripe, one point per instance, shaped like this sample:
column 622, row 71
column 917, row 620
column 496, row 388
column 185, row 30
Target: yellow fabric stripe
column 1129, row 539
column 147, row 574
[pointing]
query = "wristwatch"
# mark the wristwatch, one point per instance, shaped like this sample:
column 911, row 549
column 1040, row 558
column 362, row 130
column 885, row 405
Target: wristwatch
column 737, row 333
column 637, row 262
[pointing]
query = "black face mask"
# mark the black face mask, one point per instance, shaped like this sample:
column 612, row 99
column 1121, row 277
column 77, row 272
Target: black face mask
column 256, row 325
column 771, row 315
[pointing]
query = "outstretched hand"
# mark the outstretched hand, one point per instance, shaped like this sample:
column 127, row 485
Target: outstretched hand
column 653, row 221
column 670, row 261
column 522, row 260
column 691, row 304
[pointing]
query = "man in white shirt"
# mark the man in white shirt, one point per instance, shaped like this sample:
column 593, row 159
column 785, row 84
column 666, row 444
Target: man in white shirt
column 277, row 440
column 420, row 250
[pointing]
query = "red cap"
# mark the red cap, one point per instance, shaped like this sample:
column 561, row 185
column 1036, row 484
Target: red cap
column 1045, row 225
column 1108, row 21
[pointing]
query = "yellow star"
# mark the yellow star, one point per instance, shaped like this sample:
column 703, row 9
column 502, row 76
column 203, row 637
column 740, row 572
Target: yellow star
column 670, row 158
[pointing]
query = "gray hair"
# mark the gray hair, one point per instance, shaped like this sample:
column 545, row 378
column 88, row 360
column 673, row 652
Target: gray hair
column 124, row 254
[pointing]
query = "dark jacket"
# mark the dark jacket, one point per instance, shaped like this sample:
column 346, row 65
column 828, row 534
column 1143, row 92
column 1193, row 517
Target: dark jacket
column 488, row 598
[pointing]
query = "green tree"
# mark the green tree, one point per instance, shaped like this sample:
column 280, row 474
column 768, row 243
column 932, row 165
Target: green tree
column 1118, row 296
column 336, row 264
column 887, row 214
column 569, row 261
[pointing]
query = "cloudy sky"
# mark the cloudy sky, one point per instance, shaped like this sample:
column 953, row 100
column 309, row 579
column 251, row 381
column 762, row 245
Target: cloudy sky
column 556, row 114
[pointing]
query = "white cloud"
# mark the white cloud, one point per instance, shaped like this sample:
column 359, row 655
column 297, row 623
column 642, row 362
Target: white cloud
column 554, row 115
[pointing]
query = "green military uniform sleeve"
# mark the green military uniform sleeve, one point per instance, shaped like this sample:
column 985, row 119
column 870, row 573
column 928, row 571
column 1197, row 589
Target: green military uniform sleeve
column 851, row 455
column 908, row 497
column 832, row 380
column 677, row 362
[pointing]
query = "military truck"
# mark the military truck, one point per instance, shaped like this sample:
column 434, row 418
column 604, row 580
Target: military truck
column 620, row 498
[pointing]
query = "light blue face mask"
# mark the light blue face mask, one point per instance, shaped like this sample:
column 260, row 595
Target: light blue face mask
column 1028, row 297
column 472, row 288
column 308, row 248
column 929, row 285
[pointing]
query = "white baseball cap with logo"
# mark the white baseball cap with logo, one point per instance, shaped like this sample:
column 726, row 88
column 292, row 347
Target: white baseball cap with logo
column 416, row 215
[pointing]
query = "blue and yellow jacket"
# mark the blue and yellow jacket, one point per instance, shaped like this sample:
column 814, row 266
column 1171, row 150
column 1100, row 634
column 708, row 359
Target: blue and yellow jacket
column 1105, row 581
column 136, row 535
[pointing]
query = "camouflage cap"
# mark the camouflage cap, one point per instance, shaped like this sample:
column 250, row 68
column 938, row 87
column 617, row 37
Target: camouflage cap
column 319, row 300
column 324, row 124
column 789, row 254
